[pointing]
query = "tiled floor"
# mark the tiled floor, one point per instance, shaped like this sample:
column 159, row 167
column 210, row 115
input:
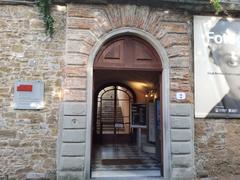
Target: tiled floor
column 149, row 165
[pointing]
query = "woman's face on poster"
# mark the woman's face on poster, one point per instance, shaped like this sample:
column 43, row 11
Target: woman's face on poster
column 228, row 59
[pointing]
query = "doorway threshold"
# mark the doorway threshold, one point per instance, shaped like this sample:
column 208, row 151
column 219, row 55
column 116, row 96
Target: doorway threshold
column 138, row 174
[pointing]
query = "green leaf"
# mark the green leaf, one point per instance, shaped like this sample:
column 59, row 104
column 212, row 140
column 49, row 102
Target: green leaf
column 217, row 6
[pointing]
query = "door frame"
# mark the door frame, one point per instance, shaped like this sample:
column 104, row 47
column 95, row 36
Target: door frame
column 165, row 91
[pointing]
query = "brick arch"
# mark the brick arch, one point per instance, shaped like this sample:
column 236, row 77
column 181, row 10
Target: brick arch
column 88, row 28
column 96, row 21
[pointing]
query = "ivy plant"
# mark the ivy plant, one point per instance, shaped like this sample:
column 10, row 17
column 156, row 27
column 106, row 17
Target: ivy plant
column 217, row 6
column 44, row 7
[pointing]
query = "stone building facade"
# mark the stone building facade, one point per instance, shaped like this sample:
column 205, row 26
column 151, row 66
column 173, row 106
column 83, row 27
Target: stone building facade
column 55, row 141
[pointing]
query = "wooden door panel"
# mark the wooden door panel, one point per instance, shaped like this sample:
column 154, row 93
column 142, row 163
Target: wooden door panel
column 143, row 56
column 111, row 56
column 126, row 53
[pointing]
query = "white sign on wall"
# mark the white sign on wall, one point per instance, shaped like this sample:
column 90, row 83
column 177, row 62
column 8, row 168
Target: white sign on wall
column 28, row 95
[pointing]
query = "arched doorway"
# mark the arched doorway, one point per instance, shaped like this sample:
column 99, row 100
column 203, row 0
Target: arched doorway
column 133, row 62
column 113, row 115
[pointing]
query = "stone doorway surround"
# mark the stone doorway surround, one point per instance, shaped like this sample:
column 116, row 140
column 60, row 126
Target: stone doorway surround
column 88, row 28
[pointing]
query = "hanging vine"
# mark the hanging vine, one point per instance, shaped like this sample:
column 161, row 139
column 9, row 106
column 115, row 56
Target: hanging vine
column 44, row 7
column 217, row 6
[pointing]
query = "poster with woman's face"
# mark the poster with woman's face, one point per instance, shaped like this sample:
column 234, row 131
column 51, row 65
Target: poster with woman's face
column 217, row 67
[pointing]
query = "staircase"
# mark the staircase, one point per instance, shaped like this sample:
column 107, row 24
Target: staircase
column 109, row 121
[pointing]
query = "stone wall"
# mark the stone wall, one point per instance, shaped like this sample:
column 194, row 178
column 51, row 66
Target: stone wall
column 217, row 147
column 28, row 137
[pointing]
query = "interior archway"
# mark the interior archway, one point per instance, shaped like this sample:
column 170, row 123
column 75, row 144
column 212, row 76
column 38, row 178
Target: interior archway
column 112, row 104
column 134, row 63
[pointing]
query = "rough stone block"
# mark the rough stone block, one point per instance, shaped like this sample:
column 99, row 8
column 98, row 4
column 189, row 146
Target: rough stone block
column 73, row 135
column 174, row 27
column 3, row 142
column 180, row 62
column 75, row 82
column 81, row 10
column 182, row 161
column 32, row 116
column 73, row 149
column 17, row 48
column 81, row 35
column 75, row 108
column 33, row 175
column 78, row 46
column 70, row 175
column 128, row 12
column 180, row 84
column 74, row 95
column 71, row 71
column 180, row 74
column 178, row 51
column 23, row 121
column 175, row 39
column 74, row 122
column 71, row 163
column 80, row 23
column 181, row 109
column 76, row 59
column 181, row 135
column 9, row 114
column 183, row 174
column 14, row 142
column 3, row 25
column 8, row 133
column 181, row 147
column 36, row 24
column 181, row 122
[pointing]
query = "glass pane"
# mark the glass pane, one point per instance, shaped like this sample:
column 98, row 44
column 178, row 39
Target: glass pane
column 108, row 95
column 122, row 89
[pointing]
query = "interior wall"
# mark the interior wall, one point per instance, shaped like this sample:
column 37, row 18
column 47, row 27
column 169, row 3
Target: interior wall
column 138, row 81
